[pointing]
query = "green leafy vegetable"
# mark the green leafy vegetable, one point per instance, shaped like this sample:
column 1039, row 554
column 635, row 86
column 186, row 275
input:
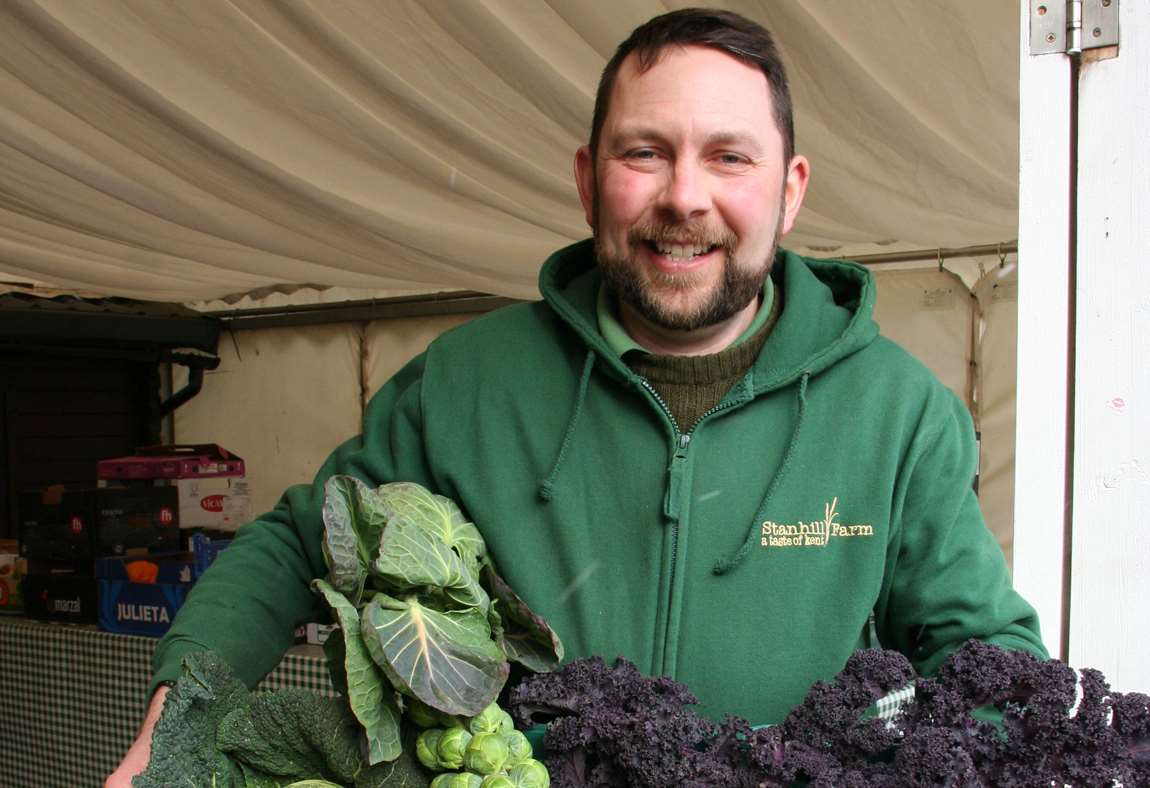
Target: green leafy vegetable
column 452, row 744
column 525, row 636
column 446, row 659
column 487, row 721
column 293, row 733
column 410, row 557
column 184, row 739
column 530, row 774
column 371, row 698
column 352, row 525
column 213, row 732
column 518, row 748
column 439, row 516
column 486, row 753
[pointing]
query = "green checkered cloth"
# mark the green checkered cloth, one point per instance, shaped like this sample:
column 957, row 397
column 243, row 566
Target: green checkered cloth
column 72, row 697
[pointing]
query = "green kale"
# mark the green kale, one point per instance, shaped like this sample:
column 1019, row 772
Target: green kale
column 214, row 733
column 293, row 733
column 184, row 740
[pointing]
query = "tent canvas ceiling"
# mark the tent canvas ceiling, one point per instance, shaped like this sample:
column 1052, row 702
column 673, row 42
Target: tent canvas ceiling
column 190, row 150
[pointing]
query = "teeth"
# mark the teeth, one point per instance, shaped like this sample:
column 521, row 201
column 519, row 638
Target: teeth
column 681, row 251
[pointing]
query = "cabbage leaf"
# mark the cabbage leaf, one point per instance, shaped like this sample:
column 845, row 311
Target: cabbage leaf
column 446, row 659
column 371, row 697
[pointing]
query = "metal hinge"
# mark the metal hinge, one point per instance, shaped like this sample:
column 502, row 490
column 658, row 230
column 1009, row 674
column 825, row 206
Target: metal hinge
column 1071, row 26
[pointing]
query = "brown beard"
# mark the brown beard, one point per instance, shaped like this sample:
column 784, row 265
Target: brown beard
column 738, row 286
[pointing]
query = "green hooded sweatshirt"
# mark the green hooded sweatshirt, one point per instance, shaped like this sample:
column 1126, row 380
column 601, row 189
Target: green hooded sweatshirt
column 747, row 558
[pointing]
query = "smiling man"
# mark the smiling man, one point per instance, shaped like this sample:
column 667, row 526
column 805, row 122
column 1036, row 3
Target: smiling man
column 688, row 186
column 696, row 451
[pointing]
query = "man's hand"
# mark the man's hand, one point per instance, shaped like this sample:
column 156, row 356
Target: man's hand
column 136, row 759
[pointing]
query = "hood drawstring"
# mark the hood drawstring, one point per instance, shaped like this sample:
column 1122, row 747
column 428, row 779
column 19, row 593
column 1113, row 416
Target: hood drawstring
column 726, row 565
column 547, row 487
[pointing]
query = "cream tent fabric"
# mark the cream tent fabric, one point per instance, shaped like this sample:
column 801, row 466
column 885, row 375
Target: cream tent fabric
column 997, row 293
column 192, row 149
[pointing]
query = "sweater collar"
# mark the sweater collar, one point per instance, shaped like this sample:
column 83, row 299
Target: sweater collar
column 620, row 342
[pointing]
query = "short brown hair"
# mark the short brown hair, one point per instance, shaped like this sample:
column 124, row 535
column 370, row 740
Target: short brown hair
column 726, row 31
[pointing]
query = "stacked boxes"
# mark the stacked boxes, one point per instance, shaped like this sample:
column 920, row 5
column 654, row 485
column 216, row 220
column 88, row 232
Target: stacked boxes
column 62, row 531
column 209, row 481
column 139, row 595
column 75, row 525
column 114, row 553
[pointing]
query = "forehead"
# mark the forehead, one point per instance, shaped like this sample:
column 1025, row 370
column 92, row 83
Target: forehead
column 695, row 85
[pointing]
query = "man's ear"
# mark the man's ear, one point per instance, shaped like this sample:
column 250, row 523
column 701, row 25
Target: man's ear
column 585, row 180
column 794, row 189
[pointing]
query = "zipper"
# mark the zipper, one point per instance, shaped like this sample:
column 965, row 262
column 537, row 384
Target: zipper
column 672, row 509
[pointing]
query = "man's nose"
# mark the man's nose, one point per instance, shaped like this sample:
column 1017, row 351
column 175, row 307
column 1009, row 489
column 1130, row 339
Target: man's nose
column 685, row 195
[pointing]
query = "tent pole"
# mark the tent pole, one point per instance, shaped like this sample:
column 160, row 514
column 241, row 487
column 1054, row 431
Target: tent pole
column 915, row 255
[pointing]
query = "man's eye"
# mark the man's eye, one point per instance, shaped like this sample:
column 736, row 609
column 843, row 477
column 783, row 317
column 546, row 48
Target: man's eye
column 731, row 159
column 643, row 154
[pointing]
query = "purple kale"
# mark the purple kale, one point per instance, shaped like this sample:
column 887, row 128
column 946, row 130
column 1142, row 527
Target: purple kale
column 830, row 719
column 990, row 717
column 613, row 726
column 1131, row 723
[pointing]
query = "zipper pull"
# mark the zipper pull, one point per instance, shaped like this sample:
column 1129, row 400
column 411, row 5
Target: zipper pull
column 671, row 507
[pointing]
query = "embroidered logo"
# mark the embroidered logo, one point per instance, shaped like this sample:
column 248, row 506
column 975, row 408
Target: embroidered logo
column 817, row 533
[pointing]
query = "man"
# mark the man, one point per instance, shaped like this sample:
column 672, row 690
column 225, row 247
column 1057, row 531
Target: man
column 696, row 452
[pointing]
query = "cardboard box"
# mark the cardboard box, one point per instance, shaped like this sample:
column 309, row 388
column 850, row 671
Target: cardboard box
column 223, row 503
column 139, row 595
column 13, row 568
column 69, row 525
column 56, row 524
column 317, row 634
column 64, row 596
column 174, row 461
column 212, row 490
column 136, row 518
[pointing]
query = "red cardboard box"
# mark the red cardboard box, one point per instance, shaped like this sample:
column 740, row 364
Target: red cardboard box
column 176, row 461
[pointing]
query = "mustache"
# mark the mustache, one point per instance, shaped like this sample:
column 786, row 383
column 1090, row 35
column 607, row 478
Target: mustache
column 690, row 233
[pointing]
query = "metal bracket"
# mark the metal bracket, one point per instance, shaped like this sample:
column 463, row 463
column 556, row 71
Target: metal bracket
column 1071, row 26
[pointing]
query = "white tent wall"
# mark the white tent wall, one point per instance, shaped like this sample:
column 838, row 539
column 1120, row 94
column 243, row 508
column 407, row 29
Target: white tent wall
column 930, row 313
column 283, row 398
column 392, row 343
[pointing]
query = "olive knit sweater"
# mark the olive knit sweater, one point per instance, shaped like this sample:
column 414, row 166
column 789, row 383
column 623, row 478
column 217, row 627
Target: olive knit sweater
column 692, row 385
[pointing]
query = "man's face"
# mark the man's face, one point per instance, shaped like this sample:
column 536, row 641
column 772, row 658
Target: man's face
column 689, row 193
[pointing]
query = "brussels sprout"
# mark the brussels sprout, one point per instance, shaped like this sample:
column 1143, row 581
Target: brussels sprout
column 506, row 724
column 486, row 721
column 518, row 748
column 465, row 780
column 442, row 780
column 530, row 774
column 486, row 753
column 451, row 746
column 499, row 780
column 423, row 715
column 427, row 748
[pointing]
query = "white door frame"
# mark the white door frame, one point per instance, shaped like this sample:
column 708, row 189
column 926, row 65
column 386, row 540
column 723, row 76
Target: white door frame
column 1082, row 500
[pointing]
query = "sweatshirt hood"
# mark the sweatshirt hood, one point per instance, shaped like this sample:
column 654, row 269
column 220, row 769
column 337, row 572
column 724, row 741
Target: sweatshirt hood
column 827, row 312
